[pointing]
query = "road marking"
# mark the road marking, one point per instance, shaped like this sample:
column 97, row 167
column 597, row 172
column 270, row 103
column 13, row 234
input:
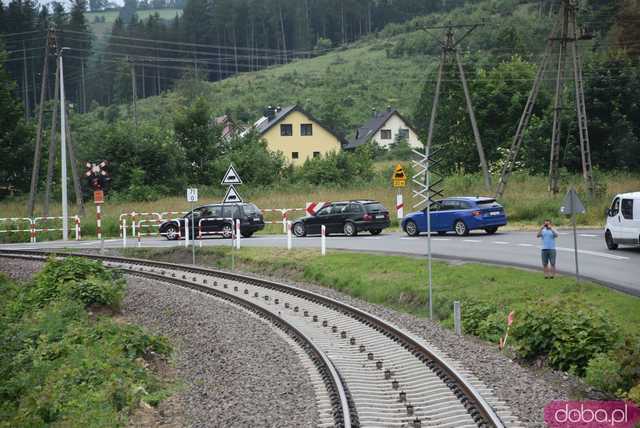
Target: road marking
column 526, row 245
column 472, row 240
column 501, row 242
column 441, row 239
column 586, row 235
column 409, row 239
column 594, row 253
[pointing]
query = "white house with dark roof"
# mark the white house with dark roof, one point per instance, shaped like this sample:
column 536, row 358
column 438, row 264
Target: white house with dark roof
column 385, row 128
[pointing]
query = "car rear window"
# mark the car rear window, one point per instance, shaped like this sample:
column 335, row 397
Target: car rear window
column 251, row 209
column 487, row 202
column 374, row 207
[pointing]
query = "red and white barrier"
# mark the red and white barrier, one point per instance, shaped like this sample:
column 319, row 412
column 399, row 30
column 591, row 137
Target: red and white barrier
column 136, row 217
column 323, row 239
column 17, row 221
column 46, row 229
column 99, row 221
column 284, row 213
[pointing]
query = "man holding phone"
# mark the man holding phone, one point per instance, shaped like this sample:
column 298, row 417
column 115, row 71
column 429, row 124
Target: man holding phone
column 548, row 235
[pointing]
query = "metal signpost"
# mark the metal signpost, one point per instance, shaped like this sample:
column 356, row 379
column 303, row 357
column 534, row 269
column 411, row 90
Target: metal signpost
column 98, row 179
column 399, row 181
column 232, row 178
column 423, row 181
column 572, row 205
column 192, row 196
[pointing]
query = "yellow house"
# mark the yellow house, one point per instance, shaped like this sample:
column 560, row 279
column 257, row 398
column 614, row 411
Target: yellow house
column 296, row 134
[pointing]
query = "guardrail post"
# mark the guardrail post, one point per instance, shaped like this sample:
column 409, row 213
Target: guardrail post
column 124, row 233
column 285, row 217
column 139, row 235
column 289, row 241
column 133, row 227
column 77, row 227
column 32, row 226
column 323, row 239
column 457, row 318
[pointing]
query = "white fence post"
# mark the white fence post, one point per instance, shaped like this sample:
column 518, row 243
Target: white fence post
column 399, row 209
column 323, row 240
column 237, row 234
column 77, row 219
column 289, row 240
column 124, row 233
column 186, row 231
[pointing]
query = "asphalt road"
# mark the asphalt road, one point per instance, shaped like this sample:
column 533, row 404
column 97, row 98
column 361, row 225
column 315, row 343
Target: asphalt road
column 619, row 269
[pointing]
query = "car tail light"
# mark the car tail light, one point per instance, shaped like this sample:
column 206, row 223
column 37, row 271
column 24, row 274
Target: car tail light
column 368, row 217
column 476, row 213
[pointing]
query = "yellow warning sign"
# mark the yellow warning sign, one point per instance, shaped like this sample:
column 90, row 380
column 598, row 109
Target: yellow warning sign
column 399, row 178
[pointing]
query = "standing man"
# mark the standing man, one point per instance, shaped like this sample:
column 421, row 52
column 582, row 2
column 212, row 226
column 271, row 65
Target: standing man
column 548, row 235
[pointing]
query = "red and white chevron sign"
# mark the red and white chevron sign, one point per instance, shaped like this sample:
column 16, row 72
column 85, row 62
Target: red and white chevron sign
column 313, row 207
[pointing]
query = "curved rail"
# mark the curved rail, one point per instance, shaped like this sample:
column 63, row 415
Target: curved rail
column 481, row 411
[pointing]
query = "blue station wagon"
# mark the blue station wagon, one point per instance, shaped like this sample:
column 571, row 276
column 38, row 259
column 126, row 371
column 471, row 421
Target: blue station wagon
column 460, row 215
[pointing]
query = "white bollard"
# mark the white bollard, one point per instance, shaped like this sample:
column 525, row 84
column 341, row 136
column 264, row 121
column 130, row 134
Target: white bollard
column 323, row 239
column 237, row 234
column 399, row 209
column 77, row 220
column 133, row 228
column 289, row 240
column 124, row 233
column 457, row 320
column 139, row 237
column 186, row 231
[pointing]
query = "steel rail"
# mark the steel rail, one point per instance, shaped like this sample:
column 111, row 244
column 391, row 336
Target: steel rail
column 483, row 414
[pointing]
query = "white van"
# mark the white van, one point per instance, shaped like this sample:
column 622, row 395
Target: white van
column 623, row 221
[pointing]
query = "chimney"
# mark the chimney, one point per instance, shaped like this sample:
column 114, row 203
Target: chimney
column 373, row 112
column 269, row 112
column 389, row 108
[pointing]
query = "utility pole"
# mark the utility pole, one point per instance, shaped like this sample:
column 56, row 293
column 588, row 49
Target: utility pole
column 25, row 82
column 134, row 91
column 52, row 144
column 74, row 168
column 50, row 44
column 450, row 49
column 564, row 36
column 63, row 154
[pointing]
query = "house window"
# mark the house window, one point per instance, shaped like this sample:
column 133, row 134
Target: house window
column 286, row 130
column 403, row 134
column 294, row 155
column 316, row 154
column 385, row 134
column 306, row 129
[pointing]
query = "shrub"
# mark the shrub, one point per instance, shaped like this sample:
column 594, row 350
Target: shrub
column 78, row 279
column 567, row 333
column 604, row 373
column 483, row 320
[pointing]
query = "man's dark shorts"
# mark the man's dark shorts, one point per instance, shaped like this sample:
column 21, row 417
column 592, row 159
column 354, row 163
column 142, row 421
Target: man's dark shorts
column 548, row 256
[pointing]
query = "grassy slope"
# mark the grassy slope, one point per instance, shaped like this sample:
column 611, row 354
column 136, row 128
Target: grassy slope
column 399, row 282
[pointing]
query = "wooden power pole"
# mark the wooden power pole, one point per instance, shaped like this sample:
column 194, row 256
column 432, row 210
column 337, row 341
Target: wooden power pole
column 562, row 43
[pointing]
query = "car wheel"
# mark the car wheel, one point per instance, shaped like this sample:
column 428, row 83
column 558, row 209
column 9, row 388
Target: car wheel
column 375, row 232
column 172, row 233
column 608, row 239
column 247, row 234
column 460, row 228
column 299, row 230
column 227, row 231
column 491, row 230
column 411, row 228
column 350, row 229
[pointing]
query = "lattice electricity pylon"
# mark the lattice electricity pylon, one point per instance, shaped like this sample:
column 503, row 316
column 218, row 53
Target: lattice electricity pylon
column 427, row 178
column 564, row 38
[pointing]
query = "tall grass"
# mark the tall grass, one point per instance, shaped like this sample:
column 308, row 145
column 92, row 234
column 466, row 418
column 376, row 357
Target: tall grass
column 526, row 200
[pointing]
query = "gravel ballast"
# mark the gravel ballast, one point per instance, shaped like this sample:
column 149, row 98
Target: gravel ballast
column 236, row 369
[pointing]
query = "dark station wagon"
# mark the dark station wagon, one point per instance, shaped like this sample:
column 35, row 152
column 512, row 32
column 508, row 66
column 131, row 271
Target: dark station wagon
column 216, row 219
column 348, row 217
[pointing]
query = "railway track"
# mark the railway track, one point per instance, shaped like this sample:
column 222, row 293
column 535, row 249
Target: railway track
column 374, row 373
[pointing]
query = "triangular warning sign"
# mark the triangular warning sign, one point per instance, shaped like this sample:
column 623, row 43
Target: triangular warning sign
column 231, row 177
column 398, row 173
column 232, row 196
